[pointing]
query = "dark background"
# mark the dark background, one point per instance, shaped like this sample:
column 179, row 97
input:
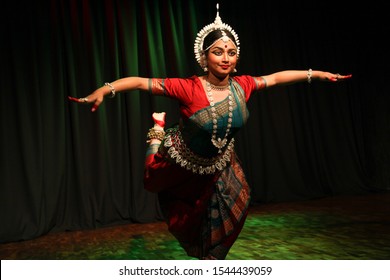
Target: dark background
column 65, row 168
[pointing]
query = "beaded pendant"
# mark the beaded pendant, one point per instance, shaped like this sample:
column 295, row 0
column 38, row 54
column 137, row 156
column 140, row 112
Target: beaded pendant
column 218, row 142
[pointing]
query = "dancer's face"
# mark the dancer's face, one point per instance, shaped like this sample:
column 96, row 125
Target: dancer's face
column 222, row 58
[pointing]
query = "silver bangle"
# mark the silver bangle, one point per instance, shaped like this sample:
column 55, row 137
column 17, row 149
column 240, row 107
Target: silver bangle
column 112, row 94
column 309, row 72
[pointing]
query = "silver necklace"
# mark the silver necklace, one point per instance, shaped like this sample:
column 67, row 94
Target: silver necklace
column 219, row 88
column 218, row 142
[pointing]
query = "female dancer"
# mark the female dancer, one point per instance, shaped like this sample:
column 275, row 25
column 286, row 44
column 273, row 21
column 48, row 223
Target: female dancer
column 193, row 165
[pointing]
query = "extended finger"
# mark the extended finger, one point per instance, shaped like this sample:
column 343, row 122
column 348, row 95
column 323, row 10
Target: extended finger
column 342, row 77
column 347, row 76
column 74, row 99
column 96, row 105
column 79, row 100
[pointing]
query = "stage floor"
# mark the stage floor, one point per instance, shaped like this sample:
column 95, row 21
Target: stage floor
column 333, row 228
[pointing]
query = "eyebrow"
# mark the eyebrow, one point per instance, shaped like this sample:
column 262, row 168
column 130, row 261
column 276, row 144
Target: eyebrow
column 215, row 47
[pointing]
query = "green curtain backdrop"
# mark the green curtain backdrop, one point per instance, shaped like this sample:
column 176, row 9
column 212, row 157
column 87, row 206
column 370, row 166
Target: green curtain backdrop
column 65, row 168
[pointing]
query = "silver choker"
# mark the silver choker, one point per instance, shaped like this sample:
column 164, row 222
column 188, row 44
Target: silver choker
column 219, row 88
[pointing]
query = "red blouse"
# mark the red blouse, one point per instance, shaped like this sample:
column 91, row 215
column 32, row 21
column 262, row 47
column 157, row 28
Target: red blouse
column 191, row 94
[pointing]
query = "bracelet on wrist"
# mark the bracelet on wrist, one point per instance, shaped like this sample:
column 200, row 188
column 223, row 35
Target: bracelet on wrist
column 112, row 93
column 309, row 73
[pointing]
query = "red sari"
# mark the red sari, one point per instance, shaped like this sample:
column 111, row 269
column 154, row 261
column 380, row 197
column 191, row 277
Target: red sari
column 204, row 210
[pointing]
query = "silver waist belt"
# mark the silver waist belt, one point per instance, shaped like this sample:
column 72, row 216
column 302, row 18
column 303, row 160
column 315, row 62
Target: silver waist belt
column 178, row 151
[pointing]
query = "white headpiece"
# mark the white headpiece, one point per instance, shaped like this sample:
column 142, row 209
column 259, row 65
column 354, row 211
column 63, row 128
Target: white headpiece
column 217, row 24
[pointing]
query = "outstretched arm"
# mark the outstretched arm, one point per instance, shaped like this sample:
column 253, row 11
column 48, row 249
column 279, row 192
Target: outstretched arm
column 295, row 76
column 124, row 84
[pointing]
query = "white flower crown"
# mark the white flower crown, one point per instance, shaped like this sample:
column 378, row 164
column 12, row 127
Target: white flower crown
column 217, row 24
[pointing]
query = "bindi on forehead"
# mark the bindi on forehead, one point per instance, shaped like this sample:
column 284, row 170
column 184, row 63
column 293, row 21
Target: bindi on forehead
column 223, row 46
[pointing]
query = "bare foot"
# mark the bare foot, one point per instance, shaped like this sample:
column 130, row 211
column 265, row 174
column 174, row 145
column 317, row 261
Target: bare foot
column 209, row 257
column 159, row 124
column 159, row 120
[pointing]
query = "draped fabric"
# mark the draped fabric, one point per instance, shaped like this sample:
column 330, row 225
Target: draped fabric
column 203, row 190
column 65, row 168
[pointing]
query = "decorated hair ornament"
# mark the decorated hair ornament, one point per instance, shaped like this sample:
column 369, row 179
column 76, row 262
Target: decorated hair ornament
column 202, row 34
